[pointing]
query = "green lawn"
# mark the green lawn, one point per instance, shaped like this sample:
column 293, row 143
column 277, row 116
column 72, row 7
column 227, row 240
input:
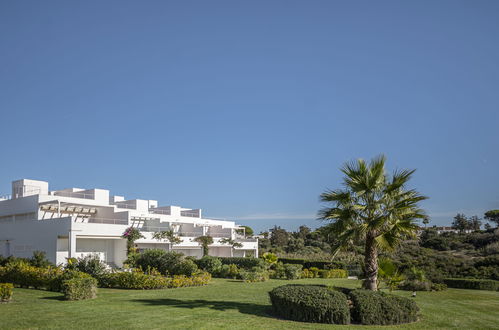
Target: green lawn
column 223, row 304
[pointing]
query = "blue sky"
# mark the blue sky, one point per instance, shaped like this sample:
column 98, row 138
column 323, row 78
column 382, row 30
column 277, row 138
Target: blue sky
column 248, row 108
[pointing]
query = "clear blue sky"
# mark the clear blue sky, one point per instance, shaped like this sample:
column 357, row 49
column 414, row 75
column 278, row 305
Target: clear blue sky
column 248, row 108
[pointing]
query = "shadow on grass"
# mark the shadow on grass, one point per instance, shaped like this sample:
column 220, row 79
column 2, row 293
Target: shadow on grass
column 246, row 308
column 60, row 298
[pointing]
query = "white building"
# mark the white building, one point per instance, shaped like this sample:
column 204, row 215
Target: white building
column 75, row 222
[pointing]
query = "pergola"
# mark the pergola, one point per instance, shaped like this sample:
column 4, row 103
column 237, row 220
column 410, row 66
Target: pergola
column 72, row 209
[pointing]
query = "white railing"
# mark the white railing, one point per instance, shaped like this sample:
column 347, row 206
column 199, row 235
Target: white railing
column 74, row 194
column 159, row 211
column 5, row 197
column 154, row 229
column 125, row 206
column 103, row 221
column 189, row 214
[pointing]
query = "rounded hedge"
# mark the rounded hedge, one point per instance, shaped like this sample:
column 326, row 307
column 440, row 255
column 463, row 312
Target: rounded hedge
column 374, row 307
column 310, row 303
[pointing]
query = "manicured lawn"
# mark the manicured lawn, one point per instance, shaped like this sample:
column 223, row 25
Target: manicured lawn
column 223, row 304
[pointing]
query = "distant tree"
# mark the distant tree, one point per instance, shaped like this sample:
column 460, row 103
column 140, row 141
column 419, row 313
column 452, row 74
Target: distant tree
column 493, row 216
column 461, row 223
column 475, row 223
column 426, row 221
column 205, row 242
column 303, row 232
column 487, row 226
column 373, row 208
column 248, row 231
column 279, row 237
column 168, row 236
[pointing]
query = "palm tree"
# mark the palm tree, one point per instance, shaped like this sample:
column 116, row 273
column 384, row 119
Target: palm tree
column 205, row 242
column 373, row 208
column 169, row 236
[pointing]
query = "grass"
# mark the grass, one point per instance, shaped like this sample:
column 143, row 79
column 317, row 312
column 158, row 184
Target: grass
column 224, row 304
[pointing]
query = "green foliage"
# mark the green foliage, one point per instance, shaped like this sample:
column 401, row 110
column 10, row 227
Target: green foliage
column 372, row 208
column 332, row 273
column 131, row 234
column 212, row 265
column 269, row 258
column 378, row 308
column 474, row 284
column 167, row 235
column 389, row 273
column 231, row 242
column 80, row 288
column 310, row 303
column 256, row 274
column 39, row 259
column 6, row 290
column 416, row 285
column 205, row 242
column 166, row 262
column 245, row 263
column 229, row 271
column 90, row 264
column 313, row 263
column 248, row 231
column 492, row 216
column 134, row 280
column 292, row 272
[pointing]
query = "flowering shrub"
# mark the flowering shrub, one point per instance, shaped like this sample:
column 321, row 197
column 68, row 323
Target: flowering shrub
column 131, row 234
column 6, row 291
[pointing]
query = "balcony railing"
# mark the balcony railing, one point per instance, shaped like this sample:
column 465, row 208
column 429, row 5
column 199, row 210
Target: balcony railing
column 189, row 214
column 159, row 211
column 103, row 221
column 125, row 206
column 74, row 194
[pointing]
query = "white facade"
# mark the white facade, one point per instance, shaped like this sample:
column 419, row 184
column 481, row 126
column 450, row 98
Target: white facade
column 75, row 222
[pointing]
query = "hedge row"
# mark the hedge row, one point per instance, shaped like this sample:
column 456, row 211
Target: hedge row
column 242, row 262
column 312, row 263
column 474, row 284
column 310, row 303
column 140, row 281
column 322, row 304
column 324, row 273
column 80, row 288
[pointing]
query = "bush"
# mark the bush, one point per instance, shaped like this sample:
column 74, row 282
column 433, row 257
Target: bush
column 310, row 303
column 166, row 262
column 254, row 275
column 198, row 279
column 20, row 273
column 307, row 274
column 6, row 290
column 474, row 284
column 245, row 263
column 229, row 271
column 90, row 264
column 134, row 280
column 39, row 259
column 313, row 263
column 212, row 265
column 292, row 272
column 374, row 307
column 333, row 273
column 57, row 283
column 80, row 288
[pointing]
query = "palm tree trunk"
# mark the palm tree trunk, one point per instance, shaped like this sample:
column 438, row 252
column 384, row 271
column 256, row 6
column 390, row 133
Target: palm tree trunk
column 371, row 263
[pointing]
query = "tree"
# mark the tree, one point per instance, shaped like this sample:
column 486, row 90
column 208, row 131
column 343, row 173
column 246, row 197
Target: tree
column 373, row 208
column 461, row 223
column 475, row 223
column 426, row 221
column 248, row 231
column 131, row 234
column 167, row 235
column 205, row 242
column 231, row 242
column 279, row 237
column 493, row 216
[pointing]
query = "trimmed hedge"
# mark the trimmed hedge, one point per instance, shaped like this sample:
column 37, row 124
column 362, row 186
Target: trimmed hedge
column 139, row 281
column 473, row 284
column 314, row 263
column 310, row 303
column 333, row 273
column 80, row 288
column 6, row 290
column 378, row 308
column 242, row 262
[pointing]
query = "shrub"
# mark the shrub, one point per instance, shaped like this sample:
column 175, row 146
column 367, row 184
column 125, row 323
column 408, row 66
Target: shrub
column 229, row 271
column 474, row 284
column 6, row 290
column 198, row 279
column 20, row 273
column 314, row 271
column 307, row 274
column 80, row 288
column 333, row 273
column 90, row 264
column 310, row 303
column 185, row 267
column 313, row 263
column 39, row 259
column 374, row 307
column 57, row 283
column 254, row 275
column 245, row 263
column 212, row 265
column 134, row 280
column 292, row 272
